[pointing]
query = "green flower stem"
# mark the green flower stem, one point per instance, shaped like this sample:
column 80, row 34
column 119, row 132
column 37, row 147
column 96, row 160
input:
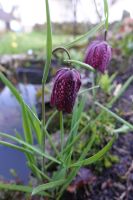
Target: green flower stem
column 45, row 73
column 62, row 49
column 80, row 64
column 93, row 90
column 61, row 130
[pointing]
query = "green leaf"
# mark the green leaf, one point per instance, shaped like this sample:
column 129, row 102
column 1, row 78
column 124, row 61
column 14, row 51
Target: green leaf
column 51, row 118
column 96, row 157
column 36, row 127
column 13, row 146
column 46, row 186
column 24, row 107
column 122, row 90
column 30, row 147
column 86, row 90
column 81, row 64
column 106, row 13
column 21, row 188
column 26, row 125
column 76, row 138
column 86, row 35
column 38, row 172
column 115, row 115
column 75, row 170
column 48, row 44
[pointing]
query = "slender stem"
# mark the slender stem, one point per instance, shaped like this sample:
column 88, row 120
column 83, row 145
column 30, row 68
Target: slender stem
column 45, row 73
column 43, row 125
column 105, row 35
column 93, row 90
column 61, row 130
column 62, row 49
column 98, row 14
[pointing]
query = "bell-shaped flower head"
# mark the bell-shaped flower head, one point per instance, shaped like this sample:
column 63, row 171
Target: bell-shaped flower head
column 98, row 55
column 66, row 86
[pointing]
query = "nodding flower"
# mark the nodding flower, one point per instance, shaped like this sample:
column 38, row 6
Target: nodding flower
column 98, row 55
column 66, row 86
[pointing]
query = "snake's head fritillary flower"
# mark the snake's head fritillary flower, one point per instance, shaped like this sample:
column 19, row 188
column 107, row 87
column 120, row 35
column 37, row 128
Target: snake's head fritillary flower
column 66, row 86
column 98, row 55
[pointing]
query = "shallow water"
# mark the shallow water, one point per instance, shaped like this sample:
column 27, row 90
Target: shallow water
column 10, row 120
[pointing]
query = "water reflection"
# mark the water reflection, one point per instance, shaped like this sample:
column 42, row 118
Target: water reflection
column 10, row 120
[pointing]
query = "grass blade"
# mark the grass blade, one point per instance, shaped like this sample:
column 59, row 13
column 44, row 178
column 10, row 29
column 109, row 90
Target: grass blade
column 20, row 188
column 115, row 115
column 122, row 90
column 86, row 35
column 97, row 156
column 48, row 44
column 47, row 186
column 27, row 131
column 106, row 13
column 30, row 147
column 13, row 146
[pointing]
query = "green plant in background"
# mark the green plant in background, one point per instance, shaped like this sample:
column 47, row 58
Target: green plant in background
column 125, row 44
column 106, row 82
column 64, row 159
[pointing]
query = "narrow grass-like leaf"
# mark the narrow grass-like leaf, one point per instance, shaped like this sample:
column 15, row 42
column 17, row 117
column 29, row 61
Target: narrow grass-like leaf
column 52, row 143
column 115, row 115
column 20, row 188
column 26, row 125
column 97, row 156
column 76, row 169
column 81, row 64
column 122, row 129
column 13, row 146
column 51, row 118
column 41, row 173
column 36, row 126
column 106, row 13
column 47, row 186
column 78, row 114
column 86, row 35
column 122, row 90
column 27, row 131
column 87, row 90
column 76, row 138
column 30, row 147
column 48, row 44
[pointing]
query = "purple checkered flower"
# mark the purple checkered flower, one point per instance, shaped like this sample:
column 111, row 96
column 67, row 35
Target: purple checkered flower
column 98, row 55
column 66, row 86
